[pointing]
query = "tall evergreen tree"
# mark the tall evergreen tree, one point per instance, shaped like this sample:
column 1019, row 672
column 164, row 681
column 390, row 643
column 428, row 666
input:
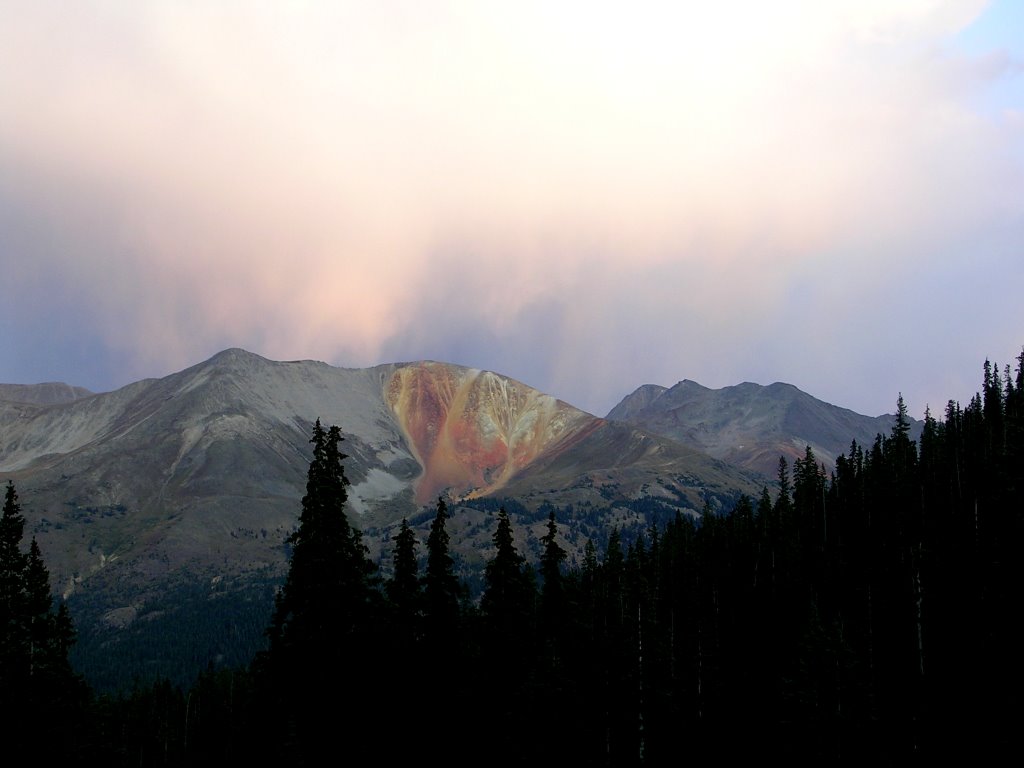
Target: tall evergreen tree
column 552, row 596
column 506, row 607
column 322, row 634
column 329, row 588
column 39, row 617
column 440, row 585
column 507, row 597
column 403, row 667
column 450, row 674
column 403, row 587
column 784, row 501
column 38, row 689
column 404, row 590
column 13, row 629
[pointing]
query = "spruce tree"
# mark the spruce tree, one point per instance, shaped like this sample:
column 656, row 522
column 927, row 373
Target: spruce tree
column 324, row 630
column 552, row 596
column 506, row 606
column 38, row 616
column 440, row 586
column 403, row 588
column 329, row 589
column 13, row 630
column 506, row 600
column 448, row 674
column 39, row 693
column 402, row 669
column 551, row 560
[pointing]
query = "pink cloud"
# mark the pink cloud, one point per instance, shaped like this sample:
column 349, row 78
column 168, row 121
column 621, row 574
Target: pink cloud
column 316, row 184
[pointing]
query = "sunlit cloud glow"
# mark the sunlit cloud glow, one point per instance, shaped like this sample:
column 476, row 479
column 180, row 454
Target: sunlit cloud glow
column 585, row 196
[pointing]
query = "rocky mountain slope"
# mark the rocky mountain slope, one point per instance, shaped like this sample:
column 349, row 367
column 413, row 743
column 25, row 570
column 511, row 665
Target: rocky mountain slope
column 750, row 425
column 193, row 481
column 178, row 469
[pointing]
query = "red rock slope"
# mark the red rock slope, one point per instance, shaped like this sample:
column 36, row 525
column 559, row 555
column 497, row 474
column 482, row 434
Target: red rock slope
column 473, row 430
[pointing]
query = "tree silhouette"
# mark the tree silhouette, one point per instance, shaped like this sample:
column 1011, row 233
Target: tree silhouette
column 38, row 689
column 326, row 617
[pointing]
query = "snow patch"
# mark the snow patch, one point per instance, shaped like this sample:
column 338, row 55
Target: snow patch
column 377, row 485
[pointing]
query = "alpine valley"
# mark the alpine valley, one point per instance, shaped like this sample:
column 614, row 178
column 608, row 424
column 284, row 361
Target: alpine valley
column 163, row 508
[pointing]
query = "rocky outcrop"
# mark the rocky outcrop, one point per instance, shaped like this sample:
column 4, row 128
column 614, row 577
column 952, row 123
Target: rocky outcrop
column 472, row 430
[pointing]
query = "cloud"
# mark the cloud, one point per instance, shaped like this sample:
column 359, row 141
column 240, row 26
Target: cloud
column 587, row 196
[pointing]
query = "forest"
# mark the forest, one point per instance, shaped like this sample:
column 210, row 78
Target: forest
column 864, row 615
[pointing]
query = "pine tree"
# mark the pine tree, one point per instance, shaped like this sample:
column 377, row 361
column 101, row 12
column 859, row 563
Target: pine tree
column 506, row 606
column 902, row 450
column 39, row 618
column 323, row 632
column 507, row 597
column 14, row 645
column 14, row 651
column 784, row 501
column 440, row 586
column 39, row 693
column 405, row 602
column 404, row 589
column 448, row 674
column 552, row 596
column 329, row 589
column 403, row 667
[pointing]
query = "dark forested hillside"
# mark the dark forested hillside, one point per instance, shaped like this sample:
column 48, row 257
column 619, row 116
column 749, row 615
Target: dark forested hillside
column 865, row 615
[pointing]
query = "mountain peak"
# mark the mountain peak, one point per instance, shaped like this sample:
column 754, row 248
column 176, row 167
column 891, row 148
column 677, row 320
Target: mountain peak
column 233, row 355
column 749, row 424
column 640, row 399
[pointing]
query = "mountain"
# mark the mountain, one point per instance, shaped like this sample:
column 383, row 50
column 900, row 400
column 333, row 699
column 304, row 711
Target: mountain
column 162, row 508
column 181, row 466
column 42, row 394
column 750, row 425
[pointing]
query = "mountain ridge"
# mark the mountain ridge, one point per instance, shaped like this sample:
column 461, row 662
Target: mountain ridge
column 751, row 425
column 193, row 481
column 225, row 441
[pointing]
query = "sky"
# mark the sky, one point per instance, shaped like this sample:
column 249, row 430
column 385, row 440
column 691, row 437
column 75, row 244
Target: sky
column 585, row 196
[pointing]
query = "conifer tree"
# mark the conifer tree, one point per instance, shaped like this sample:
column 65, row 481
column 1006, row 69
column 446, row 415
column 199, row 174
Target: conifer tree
column 552, row 596
column 449, row 675
column 784, row 501
column 39, row 618
column 405, row 598
column 329, row 588
column 902, row 449
column 506, row 599
column 403, row 667
column 552, row 559
column 403, row 589
column 38, row 690
column 589, row 561
column 440, row 586
column 326, row 614
column 506, row 611
column 13, row 631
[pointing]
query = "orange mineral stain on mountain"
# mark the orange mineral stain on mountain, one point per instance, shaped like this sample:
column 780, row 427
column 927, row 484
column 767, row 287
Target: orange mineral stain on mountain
column 473, row 430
